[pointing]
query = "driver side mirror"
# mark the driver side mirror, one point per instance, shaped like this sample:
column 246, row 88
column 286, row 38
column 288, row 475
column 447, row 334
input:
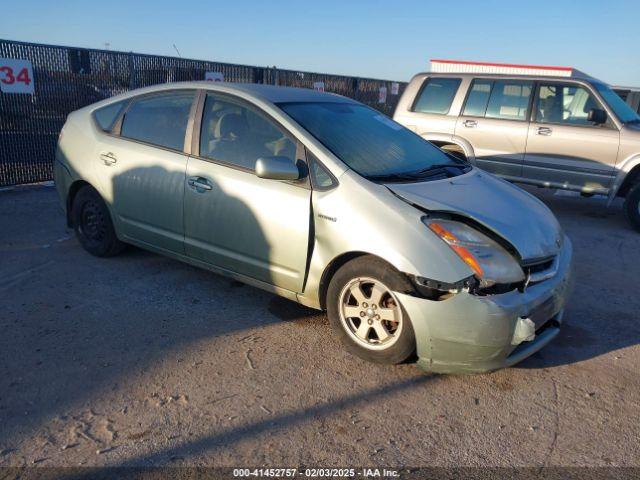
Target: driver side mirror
column 277, row 168
column 597, row 116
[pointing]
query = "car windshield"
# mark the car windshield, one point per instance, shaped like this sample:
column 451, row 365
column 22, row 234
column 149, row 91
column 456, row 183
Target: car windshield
column 623, row 111
column 369, row 142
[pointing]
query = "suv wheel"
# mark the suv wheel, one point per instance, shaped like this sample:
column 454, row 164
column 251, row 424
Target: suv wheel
column 632, row 206
column 92, row 224
column 366, row 314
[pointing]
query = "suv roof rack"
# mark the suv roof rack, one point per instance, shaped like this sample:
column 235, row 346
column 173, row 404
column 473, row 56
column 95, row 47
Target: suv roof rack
column 458, row 66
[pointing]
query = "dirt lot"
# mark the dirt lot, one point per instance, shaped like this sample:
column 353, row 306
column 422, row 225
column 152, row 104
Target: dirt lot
column 141, row 360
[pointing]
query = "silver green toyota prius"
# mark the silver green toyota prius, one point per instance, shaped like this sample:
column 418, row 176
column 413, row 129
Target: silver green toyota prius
column 329, row 203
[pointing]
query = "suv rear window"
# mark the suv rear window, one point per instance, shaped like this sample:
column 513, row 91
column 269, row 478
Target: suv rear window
column 437, row 95
column 504, row 99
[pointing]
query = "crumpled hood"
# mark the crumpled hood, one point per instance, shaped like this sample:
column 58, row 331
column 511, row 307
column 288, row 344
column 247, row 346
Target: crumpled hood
column 518, row 217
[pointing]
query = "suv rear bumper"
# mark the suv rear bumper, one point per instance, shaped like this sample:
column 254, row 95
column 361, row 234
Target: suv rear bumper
column 471, row 334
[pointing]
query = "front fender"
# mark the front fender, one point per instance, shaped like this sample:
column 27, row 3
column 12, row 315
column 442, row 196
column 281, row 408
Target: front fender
column 359, row 217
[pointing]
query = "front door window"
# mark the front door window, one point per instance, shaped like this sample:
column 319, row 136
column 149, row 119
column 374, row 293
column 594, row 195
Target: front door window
column 564, row 104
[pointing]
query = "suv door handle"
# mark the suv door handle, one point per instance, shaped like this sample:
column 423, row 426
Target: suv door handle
column 470, row 123
column 199, row 183
column 108, row 158
column 546, row 131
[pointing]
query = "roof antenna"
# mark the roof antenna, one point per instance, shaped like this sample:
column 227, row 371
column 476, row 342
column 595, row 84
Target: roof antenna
column 177, row 51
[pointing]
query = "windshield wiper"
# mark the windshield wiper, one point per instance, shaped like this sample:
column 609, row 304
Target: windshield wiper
column 391, row 177
column 438, row 167
column 417, row 174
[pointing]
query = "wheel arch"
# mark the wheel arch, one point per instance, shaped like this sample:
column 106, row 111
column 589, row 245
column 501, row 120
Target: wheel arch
column 630, row 179
column 628, row 174
column 334, row 265
column 74, row 188
column 462, row 145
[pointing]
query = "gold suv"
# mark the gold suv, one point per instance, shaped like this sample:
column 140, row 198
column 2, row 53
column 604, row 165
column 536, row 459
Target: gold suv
column 571, row 133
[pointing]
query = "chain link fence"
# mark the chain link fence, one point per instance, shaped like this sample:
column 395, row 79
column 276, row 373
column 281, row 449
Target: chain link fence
column 68, row 78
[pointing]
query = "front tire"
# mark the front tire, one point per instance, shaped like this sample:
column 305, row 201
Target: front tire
column 632, row 206
column 92, row 224
column 366, row 314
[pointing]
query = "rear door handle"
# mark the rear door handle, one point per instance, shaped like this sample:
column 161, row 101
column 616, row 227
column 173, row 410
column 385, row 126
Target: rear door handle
column 199, row 183
column 108, row 158
column 546, row 131
column 470, row 123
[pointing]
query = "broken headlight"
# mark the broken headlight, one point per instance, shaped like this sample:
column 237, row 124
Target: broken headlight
column 490, row 262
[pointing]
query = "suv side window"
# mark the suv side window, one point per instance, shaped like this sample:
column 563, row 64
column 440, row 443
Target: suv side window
column 502, row 99
column 437, row 95
column 476, row 105
column 564, row 103
column 234, row 133
column 509, row 100
column 159, row 119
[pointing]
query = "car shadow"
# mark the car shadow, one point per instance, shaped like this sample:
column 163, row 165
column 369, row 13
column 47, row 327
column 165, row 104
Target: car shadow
column 74, row 325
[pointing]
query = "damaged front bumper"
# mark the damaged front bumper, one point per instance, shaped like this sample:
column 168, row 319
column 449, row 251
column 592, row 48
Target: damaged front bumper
column 468, row 333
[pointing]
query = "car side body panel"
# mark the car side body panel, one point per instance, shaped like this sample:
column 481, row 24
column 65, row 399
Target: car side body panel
column 253, row 226
column 145, row 188
column 346, row 221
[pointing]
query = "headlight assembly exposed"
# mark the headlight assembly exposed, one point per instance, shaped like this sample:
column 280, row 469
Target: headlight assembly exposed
column 491, row 263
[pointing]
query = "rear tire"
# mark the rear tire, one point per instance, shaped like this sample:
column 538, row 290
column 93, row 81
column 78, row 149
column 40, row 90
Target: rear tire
column 365, row 313
column 92, row 224
column 632, row 206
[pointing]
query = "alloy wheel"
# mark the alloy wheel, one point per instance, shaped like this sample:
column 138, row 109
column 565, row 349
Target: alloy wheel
column 370, row 313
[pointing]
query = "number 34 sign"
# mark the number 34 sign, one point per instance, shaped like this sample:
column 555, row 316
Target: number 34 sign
column 16, row 76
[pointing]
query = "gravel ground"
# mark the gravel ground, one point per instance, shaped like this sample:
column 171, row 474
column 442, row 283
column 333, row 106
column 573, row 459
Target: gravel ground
column 141, row 360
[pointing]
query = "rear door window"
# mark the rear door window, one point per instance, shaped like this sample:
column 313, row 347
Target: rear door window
column 159, row 119
column 437, row 95
column 509, row 100
column 478, row 98
column 502, row 99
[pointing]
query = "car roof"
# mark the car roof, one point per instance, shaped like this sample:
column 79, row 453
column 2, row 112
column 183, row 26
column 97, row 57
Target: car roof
column 277, row 94
column 268, row 93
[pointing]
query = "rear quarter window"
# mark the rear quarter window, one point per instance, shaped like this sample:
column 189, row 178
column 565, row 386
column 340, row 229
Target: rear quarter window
column 436, row 95
column 106, row 116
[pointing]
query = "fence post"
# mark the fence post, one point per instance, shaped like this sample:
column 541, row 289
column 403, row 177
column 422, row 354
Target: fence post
column 131, row 72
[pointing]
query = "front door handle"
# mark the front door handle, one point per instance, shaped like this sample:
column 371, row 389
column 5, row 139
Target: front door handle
column 108, row 158
column 470, row 123
column 546, row 131
column 199, row 183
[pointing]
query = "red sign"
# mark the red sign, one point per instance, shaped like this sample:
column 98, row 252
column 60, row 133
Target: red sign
column 16, row 76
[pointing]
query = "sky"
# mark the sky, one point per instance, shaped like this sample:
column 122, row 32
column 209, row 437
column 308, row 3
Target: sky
column 390, row 40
